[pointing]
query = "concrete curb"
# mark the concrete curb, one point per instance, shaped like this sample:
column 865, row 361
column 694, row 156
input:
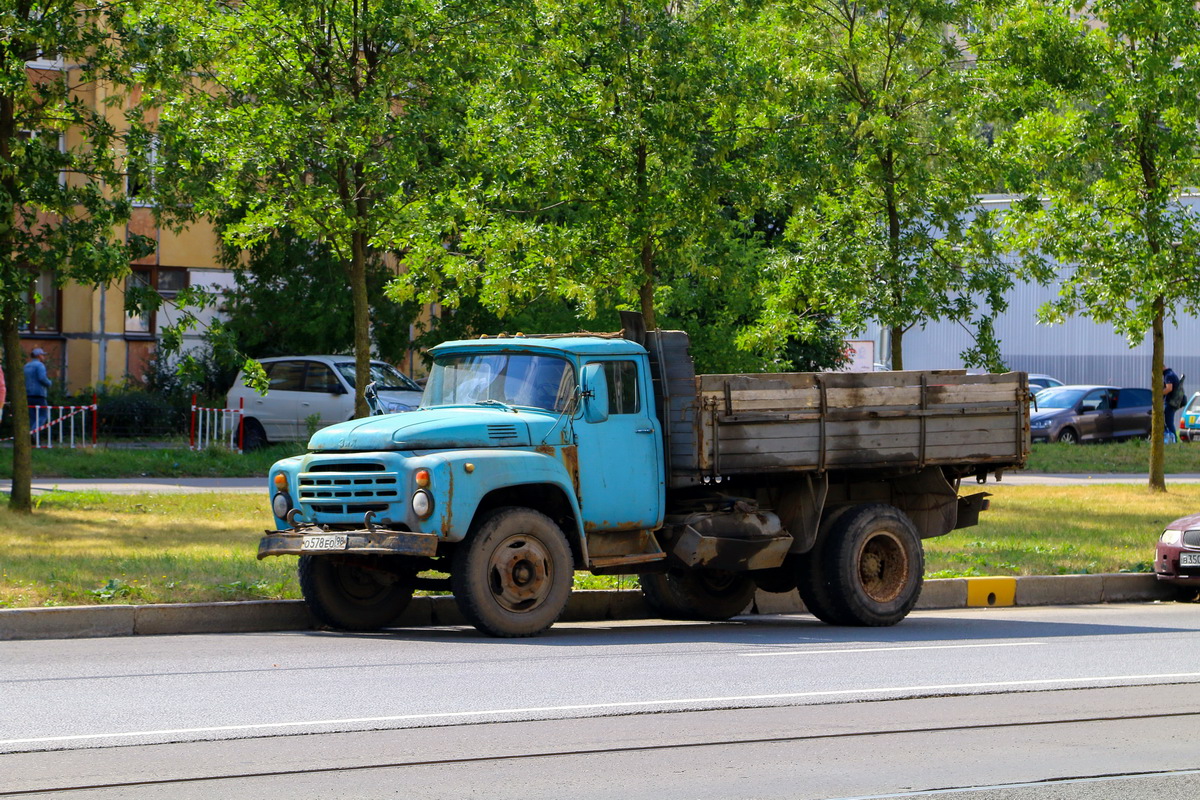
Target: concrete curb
column 70, row 622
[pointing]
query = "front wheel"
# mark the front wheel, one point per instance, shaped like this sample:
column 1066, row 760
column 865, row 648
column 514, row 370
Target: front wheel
column 872, row 565
column 707, row 594
column 1068, row 436
column 353, row 595
column 512, row 576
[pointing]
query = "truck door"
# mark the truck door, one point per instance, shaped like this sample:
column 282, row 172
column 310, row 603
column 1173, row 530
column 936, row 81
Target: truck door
column 620, row 460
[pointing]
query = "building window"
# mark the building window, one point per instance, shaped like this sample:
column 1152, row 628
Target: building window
column 167, row 281
column 43, row 301
column 139, row 170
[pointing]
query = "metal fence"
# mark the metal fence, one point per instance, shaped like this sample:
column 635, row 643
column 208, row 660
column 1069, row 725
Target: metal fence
column 216, row 426
column 62, row 426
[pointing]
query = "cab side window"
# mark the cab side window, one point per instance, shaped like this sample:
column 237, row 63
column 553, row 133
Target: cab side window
column 623, row 395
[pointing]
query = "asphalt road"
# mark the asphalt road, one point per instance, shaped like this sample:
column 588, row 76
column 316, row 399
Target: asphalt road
column 1001, row 700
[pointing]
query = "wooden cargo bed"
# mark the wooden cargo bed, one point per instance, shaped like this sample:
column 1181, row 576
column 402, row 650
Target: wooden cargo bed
column 724, row 425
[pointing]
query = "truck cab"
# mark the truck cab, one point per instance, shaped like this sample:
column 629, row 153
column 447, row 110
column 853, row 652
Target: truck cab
column 555, row 435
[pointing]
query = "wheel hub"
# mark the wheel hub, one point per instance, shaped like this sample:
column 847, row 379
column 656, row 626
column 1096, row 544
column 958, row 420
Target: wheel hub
column 883, row 567
column 519, row 573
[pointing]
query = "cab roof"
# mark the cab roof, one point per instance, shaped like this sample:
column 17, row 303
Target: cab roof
column 580, row 345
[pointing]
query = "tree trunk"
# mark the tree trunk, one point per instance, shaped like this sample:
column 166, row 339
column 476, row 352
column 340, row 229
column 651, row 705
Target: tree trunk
column 22, row 466
column 646, row 256
column 362, row 325
column 897, row 342
column 1158, row 481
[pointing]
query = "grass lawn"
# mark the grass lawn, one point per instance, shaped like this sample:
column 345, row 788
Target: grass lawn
column 151, row 462
column 1111, row 457
column 85, row 548
column 179, row 462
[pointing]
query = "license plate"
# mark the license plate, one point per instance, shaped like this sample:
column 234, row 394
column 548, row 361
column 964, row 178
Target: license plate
column 1189, row 559
column 332, row 541
column 1190, row 419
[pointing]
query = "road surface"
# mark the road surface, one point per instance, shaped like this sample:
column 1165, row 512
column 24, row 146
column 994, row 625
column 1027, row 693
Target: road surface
column 1095, row 701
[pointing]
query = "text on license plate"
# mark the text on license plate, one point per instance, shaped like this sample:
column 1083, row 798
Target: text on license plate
column 1189, row 559
column 332, row 541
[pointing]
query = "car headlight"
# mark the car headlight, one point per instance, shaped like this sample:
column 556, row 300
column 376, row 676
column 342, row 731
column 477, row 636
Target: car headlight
column 422, row 504
column 1040, row 423
column 281, row 504
column 1170, row 537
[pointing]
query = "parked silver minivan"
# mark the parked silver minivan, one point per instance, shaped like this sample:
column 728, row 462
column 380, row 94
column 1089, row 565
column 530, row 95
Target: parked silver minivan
column 317, row 388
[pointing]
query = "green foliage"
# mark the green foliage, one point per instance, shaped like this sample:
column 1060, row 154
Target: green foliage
column 1102, row 162
column 62, row 207
column 607, row 169
column 291, row 297
column 882, row 174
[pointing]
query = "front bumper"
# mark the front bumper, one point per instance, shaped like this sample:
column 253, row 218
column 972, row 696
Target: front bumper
column 360, row 542
column 1166, row 565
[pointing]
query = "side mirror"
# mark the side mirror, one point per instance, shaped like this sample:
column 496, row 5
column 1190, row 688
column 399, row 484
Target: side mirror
column 338, row 389
column 595, row 393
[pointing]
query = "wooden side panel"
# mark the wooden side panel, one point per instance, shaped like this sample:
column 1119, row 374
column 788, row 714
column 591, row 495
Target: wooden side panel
column 811, row 421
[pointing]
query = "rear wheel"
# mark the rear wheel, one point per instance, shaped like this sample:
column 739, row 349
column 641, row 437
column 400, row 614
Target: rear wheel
column 708, row 594
column 512, row 576
column 872, row 567
column 353, row 595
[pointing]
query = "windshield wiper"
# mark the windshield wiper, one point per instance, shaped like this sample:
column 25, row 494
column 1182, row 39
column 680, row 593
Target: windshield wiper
column 490, row 402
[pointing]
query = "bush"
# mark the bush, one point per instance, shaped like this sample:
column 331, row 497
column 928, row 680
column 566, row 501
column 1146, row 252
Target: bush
column 138, row 413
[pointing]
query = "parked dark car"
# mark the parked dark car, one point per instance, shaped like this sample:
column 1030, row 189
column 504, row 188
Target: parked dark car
column 1177, row 556
column 1089, row 414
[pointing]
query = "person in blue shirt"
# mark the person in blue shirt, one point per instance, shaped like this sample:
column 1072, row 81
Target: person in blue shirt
column 1170, row 381
column 37, row 385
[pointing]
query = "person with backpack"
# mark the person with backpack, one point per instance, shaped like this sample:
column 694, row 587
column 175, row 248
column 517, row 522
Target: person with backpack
column 1173, row 399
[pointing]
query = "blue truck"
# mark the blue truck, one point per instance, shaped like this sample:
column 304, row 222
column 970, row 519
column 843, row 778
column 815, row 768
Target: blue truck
column 531, row 457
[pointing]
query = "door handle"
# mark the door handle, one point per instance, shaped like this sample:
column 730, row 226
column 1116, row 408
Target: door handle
column 644, row 430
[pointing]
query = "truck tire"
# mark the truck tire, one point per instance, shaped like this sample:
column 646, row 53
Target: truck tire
column 349, row 596
column 513, row 574
column 713, row 595
column 872, row 566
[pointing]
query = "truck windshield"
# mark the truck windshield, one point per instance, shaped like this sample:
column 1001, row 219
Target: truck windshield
column 515, row 379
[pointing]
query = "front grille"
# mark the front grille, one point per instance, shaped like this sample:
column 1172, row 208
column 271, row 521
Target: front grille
column 349, row 508
column 502, row 431
column 1191, row 538
column 356, row 490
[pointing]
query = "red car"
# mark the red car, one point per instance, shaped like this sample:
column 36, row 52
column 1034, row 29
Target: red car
column 1177, row 557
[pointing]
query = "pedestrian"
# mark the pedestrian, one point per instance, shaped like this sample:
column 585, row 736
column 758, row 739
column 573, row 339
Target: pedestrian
column 1170, row 383
column 37, row 384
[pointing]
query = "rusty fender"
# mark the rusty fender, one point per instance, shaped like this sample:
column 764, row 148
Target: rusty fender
column 493, row 469
column 361, row 542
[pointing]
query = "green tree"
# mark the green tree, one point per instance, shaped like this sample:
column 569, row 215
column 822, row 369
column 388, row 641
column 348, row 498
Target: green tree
column 1103, row 162
column 335, row 118
column 886, row 222
column 291, row 297
column 61, row 179
column 610, row 161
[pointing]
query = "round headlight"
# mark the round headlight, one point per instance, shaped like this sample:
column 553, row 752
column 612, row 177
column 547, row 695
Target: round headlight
column 422, row 504
column 281, row 504
column 1169, row 537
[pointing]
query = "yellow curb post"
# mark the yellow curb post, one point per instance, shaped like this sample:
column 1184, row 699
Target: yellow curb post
column 985, row 592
